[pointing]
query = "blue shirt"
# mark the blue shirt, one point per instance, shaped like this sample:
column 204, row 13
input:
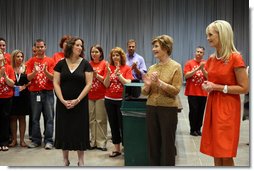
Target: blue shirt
column 140, row 64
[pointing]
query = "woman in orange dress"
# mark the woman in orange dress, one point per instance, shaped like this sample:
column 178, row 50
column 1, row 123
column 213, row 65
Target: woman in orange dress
column 227, row 79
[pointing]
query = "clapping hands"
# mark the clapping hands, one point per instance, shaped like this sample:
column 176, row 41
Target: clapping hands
column 147, row 80
column 2, row 72
column 154, row 77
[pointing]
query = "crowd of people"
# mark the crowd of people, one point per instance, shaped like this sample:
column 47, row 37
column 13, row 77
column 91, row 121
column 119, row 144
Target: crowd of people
column 89, row 95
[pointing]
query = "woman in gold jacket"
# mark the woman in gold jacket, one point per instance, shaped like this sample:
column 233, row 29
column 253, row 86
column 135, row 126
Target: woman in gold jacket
column 162, row 84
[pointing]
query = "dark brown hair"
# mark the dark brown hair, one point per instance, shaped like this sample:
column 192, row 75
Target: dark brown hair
column 63, row 39
column 69, row 47
column 100, row 49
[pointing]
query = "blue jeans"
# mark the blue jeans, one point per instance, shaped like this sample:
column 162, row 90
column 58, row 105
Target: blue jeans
column 42, row 102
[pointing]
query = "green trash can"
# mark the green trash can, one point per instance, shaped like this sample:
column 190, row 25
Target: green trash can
column 134, row 125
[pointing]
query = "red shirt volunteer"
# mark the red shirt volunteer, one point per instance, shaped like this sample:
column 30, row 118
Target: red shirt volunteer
column 40, row 81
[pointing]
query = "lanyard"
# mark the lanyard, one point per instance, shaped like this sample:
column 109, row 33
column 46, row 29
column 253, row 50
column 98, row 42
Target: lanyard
column 18, row 74
column 18, row 77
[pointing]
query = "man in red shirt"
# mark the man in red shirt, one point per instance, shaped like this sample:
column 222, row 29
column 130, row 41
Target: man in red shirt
column 195, row 76
column 40, row 73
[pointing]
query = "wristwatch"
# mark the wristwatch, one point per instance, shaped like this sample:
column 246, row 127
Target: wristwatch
column 225, row 89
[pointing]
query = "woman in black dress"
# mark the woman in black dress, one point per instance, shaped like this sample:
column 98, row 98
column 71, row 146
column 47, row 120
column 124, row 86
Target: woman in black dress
column 72, row 82
column 20, row 101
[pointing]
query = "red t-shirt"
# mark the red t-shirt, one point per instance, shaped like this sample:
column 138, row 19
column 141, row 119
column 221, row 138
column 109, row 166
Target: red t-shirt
column 194, row 83
column 5, row 90
column 7, row 57
column 98, row 89
column 57, row 57
column 40, row 81
column 115, row 88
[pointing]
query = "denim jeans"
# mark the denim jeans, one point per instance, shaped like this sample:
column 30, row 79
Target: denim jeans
column 42, row 102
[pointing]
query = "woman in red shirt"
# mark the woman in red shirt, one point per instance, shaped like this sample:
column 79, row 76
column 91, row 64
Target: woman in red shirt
column 97, row 111
column 7, row 79
column 118, row 74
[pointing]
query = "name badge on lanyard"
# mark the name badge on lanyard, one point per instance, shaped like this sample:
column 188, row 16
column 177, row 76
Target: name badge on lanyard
column 16, row 88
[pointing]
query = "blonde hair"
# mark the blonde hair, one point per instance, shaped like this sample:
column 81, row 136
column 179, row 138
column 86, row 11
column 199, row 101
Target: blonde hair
column 226, row 38
column 165, row 41
column 13, row 55
column 119, row 51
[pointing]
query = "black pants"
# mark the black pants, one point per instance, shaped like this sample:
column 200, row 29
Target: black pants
column 196, row 112
column 5, row 109
column 115, row 119
column 161, row 129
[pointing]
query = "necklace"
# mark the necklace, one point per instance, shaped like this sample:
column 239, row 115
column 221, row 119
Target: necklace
column 216, row 56
column 219, row 58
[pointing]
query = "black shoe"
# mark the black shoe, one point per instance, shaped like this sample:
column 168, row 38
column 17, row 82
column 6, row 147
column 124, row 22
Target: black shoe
column 199, row 133
column 194, row 133
column 92, row 148
column 102, row 149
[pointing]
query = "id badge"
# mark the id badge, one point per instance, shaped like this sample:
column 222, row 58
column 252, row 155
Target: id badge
column 16, row 91
column 38, row 98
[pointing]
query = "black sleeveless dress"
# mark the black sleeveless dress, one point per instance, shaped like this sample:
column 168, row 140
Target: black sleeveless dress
column 72, row 125
column 21, row 104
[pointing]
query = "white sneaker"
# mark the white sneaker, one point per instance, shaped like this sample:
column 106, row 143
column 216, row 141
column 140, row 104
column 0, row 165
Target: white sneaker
column 48, row 146
column 33, row 145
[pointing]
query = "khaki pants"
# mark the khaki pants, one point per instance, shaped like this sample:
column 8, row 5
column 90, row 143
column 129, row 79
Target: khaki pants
column 98, row 123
